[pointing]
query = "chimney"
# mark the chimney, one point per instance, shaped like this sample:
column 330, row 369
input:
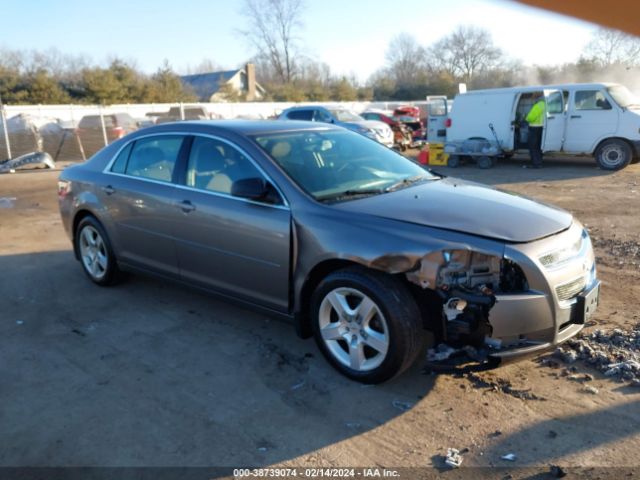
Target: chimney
column 250, row 70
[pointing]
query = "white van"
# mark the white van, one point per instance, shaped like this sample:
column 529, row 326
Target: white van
column 599, row 119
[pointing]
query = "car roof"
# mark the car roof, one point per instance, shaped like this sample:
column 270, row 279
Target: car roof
column 244, row 127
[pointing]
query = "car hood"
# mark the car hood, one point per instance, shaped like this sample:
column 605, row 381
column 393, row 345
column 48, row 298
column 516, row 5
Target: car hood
column 466, row 207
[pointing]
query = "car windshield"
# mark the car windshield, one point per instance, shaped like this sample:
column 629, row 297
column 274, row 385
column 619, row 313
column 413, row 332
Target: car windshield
column 623, row 96
column 340, row 165
column 346, row 116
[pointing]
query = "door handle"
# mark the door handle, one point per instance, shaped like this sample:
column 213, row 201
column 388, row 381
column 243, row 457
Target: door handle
column 551, row 117
column 109, row 190
column 576, row 116
column 186, row 206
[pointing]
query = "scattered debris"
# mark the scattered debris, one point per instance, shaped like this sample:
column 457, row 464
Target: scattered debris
column 586, row 377
column 621, row 252
column 79, row 332
column 502, row 385
column 557, row 472
column 590, row 389
column 19, row 322
column 7, row 202
column 262, row 449
column 552, row 434
column 441, row 352
column 453, row 459
column 615, row 353
column 403, row 406
column 497, row 433
column 352, row 425
column 510, row 457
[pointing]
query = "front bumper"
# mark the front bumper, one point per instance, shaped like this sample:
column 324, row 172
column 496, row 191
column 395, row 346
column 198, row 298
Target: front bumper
column 546, row 315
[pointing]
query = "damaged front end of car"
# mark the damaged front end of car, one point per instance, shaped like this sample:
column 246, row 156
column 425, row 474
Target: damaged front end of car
column 492, row 307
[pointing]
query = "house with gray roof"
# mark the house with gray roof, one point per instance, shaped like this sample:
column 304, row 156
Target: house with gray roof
column 214, row 86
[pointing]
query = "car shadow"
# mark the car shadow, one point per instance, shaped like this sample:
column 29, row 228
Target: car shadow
column 148, row 373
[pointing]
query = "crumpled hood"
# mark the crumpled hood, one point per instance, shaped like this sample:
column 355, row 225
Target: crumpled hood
column 466, row 207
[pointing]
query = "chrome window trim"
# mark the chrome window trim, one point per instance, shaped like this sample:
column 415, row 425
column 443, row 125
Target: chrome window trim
column 285, row 206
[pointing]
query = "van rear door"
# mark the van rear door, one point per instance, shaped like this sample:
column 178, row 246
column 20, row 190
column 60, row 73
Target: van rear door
column 438, row 113
column 554, row 125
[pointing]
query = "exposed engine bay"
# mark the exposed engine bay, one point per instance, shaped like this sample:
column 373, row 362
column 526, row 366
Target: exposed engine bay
column 467, row 282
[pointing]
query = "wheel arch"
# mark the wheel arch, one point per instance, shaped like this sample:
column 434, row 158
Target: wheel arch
column 634, row 150
column 313, row 278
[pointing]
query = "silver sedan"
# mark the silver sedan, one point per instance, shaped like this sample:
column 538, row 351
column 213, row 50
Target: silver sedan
column 355, row 244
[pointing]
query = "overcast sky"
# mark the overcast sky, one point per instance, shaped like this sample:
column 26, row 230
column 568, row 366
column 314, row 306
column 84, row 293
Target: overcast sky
column 350, row 35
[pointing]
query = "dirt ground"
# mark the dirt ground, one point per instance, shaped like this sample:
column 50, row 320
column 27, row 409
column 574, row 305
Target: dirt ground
column 151, row 374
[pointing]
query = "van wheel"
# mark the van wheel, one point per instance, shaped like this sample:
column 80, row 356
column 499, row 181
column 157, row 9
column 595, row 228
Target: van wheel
column 485, row 162
column 367, row 324
column 613, row 154
column 454, row 161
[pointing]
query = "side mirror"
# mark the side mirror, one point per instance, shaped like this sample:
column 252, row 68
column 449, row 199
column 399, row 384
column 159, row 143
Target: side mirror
column 251, row 188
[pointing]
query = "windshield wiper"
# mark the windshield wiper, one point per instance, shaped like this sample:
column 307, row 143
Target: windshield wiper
column 352, row 193
column 405, row 182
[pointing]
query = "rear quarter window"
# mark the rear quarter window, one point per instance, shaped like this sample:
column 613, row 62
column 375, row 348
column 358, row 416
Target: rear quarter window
column 120, row 164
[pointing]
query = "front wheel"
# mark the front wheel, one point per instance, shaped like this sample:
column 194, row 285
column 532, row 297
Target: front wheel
column 613, row 154
column 366, row 324
column 95, row 252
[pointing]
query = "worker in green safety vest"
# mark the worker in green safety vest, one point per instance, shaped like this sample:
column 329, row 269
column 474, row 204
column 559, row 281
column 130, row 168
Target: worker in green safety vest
column 535, row 119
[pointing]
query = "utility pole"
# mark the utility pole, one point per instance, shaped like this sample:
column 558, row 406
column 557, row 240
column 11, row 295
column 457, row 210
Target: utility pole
column 4, row 128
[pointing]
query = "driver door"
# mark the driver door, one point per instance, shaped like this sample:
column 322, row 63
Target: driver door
column 230, row 244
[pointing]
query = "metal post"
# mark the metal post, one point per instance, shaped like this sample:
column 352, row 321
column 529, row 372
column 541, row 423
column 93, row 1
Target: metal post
column 104, row 128
column 181, row 111
column 4, row 128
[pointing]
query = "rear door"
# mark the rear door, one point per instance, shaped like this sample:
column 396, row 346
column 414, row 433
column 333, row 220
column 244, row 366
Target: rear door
column 236, row 246
column 438, row 112
column 138, row 192
column 591, row 117
column 554, row 126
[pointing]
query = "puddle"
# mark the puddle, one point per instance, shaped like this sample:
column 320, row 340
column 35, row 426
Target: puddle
column 7, row 202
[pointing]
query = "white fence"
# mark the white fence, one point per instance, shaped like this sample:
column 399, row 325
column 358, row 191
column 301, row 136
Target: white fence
column 58, row 130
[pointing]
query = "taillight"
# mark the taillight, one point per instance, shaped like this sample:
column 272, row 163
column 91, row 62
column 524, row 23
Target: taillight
column 447, row 123
column 64, row 188
column 118, row 132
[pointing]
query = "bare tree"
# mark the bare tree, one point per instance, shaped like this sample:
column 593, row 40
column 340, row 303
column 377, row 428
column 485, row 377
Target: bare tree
column 465, row 52
column 610, row 47
column 272, row 30
column 206, row 65
column 405, row 59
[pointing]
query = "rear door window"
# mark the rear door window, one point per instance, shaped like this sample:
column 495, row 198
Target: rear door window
column 154, row 157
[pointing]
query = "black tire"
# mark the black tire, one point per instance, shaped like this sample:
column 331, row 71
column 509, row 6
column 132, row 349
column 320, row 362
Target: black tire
column 400, row 315
column 484, row 162
column 453, row 161
column 613, row 154
column 110, row 274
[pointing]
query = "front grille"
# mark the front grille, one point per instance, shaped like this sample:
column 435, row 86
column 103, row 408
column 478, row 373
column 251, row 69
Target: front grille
column 568, row 290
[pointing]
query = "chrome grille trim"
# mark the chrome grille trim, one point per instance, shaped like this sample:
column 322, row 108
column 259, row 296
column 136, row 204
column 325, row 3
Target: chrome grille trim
column 568, row 290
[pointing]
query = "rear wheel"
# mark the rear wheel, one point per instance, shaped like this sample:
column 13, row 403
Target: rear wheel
column 485, row 162
column 613, row 154
column 366, row 324
column 95, row 252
